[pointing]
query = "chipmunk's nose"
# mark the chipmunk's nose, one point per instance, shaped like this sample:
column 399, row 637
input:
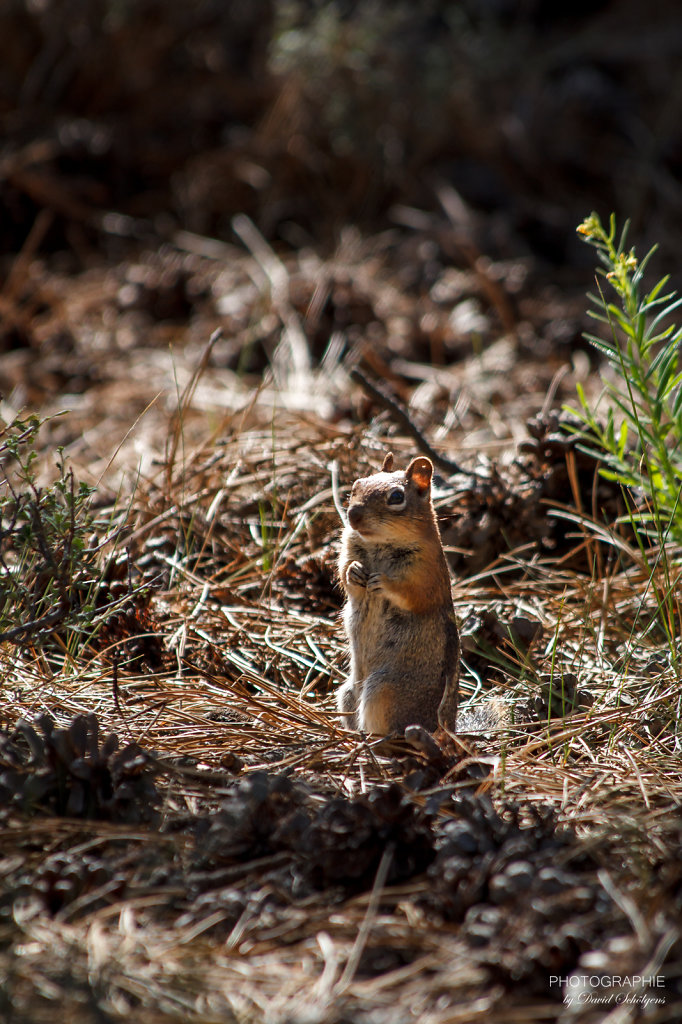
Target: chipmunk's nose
column 355, row 516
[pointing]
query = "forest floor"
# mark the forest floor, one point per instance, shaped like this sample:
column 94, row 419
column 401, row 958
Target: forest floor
column 238, row 855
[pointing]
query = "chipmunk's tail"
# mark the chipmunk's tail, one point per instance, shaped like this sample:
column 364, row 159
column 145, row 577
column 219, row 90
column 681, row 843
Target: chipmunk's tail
column 447, row 709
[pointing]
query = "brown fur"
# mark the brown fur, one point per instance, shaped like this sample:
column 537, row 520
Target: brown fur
column 399, row 616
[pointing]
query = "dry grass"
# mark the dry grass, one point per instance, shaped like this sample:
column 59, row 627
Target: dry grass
column 240, row 535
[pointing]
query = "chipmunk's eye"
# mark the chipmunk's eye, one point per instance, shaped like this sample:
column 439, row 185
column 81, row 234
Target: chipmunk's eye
column 396, row 497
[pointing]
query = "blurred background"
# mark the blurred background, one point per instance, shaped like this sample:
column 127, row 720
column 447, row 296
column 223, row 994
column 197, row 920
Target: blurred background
column 418, row 169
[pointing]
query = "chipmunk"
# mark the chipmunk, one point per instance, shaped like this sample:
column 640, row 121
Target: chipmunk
column 399, row 616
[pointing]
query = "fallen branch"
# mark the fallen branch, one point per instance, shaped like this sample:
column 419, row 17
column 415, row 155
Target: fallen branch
column 402, row 416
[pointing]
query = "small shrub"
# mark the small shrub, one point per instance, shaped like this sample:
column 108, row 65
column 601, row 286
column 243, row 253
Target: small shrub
column 48, row 572
column 637, row 437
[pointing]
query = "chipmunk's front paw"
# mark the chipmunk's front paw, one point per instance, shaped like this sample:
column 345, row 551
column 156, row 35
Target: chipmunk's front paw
column 375, row 582
column 357, row 575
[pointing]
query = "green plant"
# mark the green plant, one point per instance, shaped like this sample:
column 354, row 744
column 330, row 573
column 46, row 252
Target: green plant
column 48, row 573
column 637, row 440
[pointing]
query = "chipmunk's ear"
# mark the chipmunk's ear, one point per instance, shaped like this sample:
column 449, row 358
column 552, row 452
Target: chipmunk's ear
column 388, row 463
column 420, row 472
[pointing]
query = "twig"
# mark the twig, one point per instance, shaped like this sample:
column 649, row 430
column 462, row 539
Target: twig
column 36, row 625
column 440, row 461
